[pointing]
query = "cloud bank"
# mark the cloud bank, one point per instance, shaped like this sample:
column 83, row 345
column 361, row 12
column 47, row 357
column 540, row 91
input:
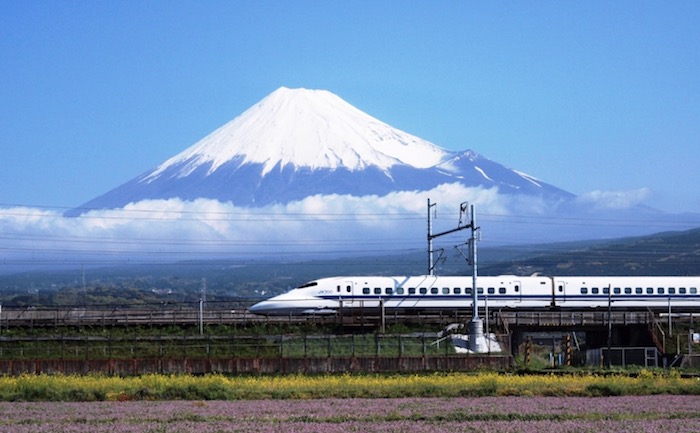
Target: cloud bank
column 318, row 226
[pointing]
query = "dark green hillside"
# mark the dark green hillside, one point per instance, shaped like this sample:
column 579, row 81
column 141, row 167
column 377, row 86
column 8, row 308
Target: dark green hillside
column 182, row 282
column 673, row 253
column 670, row 253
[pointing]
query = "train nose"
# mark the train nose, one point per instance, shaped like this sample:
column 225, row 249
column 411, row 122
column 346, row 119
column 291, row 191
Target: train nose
column 260, row 308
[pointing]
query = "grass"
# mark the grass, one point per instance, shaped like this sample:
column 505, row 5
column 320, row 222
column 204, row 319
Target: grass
column 445, row 385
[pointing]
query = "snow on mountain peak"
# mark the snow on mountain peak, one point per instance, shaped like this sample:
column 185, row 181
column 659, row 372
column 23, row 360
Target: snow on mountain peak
column 305, row 128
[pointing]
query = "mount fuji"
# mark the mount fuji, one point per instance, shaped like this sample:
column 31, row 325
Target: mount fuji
column 296, row 143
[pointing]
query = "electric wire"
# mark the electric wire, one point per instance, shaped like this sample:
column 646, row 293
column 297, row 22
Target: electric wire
column 38, row 243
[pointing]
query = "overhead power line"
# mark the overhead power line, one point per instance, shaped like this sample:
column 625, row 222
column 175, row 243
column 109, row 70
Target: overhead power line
column 341, row 216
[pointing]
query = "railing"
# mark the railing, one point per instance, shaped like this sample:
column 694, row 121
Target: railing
column 657, row 333
column 570, row 318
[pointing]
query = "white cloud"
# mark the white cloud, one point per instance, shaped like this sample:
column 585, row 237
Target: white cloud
column 614, row 199
column 321, row 225
column 176, row 229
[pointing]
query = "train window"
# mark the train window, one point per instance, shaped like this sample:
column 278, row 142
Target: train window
column 467, row 290
column 517, row 288
column 594, row 290
column 606, row 290
column 348, row 289
column 311, row 284
column 628, row 290
column 338, row 289
column 681, row 290
column 650, row 290
column 491, row 290
column 693, row 290
column 480, row 290
column 457, row 291
column 377, row 290
column 445, row 290
column 389, row 291
column 399, row 291
column 423, row 290
column 671, row 290
column 561, row 288
column 411, row 290
column 660, row 290
column 502, row 290
column 365, row 290
column 638, row 290
column 433, row 290
column 584, row 290
column 616, row 290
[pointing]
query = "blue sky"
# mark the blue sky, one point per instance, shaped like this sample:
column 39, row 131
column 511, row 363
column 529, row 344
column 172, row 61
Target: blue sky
column 588, row 96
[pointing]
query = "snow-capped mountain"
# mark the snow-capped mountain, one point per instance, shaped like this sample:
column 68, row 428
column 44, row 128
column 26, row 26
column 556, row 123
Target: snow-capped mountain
column 296, row 143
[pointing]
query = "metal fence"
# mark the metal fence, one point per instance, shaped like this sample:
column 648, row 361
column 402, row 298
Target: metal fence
column 624, row 356
column 239, row 354
column 91, row 347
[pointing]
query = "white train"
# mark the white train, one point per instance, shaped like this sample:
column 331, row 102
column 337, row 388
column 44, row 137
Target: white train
column 438, row 293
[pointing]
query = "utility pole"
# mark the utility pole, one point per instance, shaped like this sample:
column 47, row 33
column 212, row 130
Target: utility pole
column 609, row 358
column 202, row 300
column 431, row 266
column 476, row 326
column 84, row 291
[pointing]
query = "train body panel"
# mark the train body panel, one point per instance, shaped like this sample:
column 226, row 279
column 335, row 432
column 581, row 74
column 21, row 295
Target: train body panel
column 427, row 292
column 627, row 292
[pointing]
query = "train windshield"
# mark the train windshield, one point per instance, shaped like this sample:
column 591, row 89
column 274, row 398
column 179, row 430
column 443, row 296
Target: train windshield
column 311, row 284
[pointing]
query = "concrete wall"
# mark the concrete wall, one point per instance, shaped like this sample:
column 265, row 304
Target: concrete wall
column 127, row 367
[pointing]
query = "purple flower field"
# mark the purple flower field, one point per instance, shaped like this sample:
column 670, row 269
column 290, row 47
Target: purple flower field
column 658, row 413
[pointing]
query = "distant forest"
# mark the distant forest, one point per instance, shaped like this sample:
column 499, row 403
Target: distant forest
column 672, row 253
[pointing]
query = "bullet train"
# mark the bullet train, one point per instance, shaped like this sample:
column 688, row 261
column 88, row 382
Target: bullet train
column 444, row 293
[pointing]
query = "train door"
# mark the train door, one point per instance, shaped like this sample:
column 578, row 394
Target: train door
column 347, row 294
column 517, row 292
column 558, row 292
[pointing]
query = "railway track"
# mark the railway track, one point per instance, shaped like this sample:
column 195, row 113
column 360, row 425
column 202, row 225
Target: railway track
column 78, row 316
column 239, row 316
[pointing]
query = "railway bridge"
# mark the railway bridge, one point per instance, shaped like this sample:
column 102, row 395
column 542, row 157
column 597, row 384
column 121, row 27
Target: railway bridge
column 668, row 331
column 619, row 328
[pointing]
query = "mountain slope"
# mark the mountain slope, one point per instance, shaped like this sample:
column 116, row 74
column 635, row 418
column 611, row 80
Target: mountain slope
column 296, row 143
column 667, row 253
column 304, row 128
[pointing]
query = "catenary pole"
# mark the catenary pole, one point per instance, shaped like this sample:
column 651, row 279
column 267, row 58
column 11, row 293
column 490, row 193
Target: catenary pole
column 430, row 238
column 475, row 294
column 476, row 326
